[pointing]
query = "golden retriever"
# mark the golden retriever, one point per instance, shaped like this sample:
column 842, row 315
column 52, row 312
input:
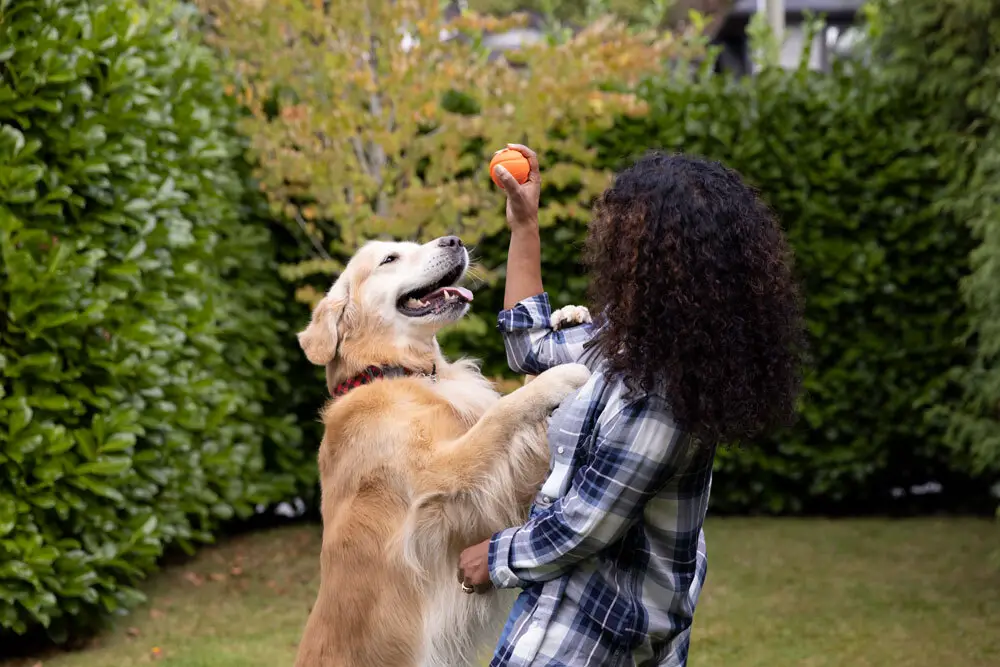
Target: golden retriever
column 416, row 463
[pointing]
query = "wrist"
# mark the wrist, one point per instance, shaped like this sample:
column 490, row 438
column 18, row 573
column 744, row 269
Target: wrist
column 527, row 229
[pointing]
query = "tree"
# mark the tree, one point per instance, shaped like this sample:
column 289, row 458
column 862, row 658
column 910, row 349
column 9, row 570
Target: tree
column 639, row 12
column 574, row 11
column 377, row 118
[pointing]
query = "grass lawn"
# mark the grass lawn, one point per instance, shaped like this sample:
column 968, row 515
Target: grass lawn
column 809, row 593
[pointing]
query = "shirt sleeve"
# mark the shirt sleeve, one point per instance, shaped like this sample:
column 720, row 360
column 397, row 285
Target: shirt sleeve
column 632, row 457
column 532, row 345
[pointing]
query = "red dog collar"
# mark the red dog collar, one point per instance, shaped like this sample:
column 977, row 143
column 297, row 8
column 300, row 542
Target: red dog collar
column 373, row 373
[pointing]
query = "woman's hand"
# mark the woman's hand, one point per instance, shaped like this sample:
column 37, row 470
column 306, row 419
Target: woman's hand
column 522, row 198
column 474, row 566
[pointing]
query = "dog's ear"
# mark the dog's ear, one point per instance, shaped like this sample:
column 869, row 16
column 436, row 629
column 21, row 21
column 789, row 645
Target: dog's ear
column 319, row 339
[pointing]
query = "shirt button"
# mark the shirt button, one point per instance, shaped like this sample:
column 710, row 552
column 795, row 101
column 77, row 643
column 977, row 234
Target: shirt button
column 546, row 500
column 560, row 449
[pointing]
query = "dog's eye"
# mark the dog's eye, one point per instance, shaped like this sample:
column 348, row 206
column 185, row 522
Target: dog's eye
column 389, row 259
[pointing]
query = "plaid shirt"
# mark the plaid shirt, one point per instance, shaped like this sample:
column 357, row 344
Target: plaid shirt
column 612, row 558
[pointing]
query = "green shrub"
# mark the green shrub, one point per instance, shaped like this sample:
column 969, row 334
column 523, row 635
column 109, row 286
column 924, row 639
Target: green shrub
column 139, row 347
column 944, row 56
column 853, row 174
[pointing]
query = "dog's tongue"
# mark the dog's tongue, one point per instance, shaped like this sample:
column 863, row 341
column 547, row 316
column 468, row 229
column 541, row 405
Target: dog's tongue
column 461, row 291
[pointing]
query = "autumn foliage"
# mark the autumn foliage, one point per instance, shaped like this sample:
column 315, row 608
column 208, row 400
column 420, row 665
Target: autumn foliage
column 378, row 118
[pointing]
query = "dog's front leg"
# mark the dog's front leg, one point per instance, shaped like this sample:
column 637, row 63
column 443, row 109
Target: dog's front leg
column 484, row 481
column 564, row 318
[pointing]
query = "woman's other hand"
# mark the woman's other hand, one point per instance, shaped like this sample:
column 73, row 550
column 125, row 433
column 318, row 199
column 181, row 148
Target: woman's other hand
column 474, row 566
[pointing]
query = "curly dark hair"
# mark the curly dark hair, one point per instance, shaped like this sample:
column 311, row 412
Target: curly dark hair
column 691, row 278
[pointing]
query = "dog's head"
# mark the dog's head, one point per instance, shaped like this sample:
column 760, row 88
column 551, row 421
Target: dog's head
column 387, row 305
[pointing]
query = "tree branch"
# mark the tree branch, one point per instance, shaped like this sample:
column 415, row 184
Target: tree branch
column 376, row 152
column 315, row 242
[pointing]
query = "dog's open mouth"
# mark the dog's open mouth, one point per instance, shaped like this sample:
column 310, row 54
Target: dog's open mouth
column 438, row 297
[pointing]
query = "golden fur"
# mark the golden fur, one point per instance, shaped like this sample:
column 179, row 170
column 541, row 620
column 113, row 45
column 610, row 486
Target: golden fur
column 413, row 469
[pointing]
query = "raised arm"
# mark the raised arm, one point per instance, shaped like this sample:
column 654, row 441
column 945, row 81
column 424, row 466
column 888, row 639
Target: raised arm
column 532, row 345
column 524, row 257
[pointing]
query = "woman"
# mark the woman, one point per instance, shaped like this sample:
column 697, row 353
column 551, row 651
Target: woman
column 696, row 343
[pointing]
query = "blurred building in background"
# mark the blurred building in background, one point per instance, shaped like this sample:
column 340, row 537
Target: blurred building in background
column 728, row 28
column 829, row 43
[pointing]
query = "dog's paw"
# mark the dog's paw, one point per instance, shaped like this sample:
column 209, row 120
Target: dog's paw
column 555, row 384
column 569, row 316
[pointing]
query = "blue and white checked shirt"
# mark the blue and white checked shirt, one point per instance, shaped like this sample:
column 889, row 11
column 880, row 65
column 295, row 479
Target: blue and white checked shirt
column 612, row 558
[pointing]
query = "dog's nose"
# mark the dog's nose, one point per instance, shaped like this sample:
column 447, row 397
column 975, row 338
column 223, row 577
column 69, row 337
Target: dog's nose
column 450, row 242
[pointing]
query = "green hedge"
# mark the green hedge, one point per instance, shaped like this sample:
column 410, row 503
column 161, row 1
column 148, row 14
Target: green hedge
column 944, row 56
column 853, row 175
column 142, row 357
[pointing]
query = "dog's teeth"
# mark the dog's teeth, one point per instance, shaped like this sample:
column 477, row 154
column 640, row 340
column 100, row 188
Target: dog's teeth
column 414, row 303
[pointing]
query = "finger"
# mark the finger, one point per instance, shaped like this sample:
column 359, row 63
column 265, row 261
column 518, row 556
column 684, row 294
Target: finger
column 532, row 159
column 506, row 179
column 461, row 576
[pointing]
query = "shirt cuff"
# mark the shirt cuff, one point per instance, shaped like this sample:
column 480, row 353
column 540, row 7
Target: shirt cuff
column 499, row 556
column 531, row 313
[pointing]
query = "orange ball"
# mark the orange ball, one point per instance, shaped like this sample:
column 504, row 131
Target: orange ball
column 513, row 162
